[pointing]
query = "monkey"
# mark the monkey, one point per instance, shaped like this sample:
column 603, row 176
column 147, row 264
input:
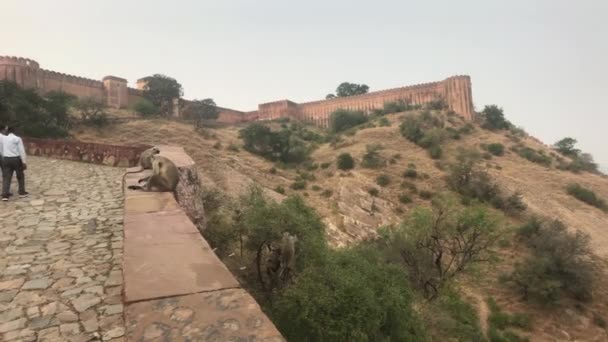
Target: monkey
column 288, row 254
column 145, row 159
column 273, row 263
column 164, row 176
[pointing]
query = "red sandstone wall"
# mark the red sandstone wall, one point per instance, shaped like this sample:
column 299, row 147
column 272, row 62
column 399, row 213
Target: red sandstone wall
column 112, row 155
column 230, row 116
column 134, row 96
column 78, row 86
column 453, row 90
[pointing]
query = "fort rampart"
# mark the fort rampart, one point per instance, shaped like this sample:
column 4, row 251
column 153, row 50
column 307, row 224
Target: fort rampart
column 454, row 91
column 28, row 74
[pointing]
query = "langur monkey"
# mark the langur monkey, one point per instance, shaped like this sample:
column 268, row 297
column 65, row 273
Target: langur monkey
column 288, row 253
column 164, row 176
column 145, row 160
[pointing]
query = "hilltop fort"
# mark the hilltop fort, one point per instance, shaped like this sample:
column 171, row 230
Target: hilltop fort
column 454, row 91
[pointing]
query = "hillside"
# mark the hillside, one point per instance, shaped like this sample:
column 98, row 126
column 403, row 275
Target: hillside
column 351, row 213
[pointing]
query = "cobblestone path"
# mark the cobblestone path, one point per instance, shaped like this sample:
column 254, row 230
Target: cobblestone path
column 61, row 255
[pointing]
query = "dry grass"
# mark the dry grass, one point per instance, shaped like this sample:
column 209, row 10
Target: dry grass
column 348, row 212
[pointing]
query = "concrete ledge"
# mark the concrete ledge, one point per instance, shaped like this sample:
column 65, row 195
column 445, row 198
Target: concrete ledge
column 175, row 287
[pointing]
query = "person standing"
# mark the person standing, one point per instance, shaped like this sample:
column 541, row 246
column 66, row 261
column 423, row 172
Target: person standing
column 14, row 160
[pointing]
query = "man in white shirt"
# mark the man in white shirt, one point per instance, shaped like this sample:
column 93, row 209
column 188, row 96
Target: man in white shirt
column 14, row 160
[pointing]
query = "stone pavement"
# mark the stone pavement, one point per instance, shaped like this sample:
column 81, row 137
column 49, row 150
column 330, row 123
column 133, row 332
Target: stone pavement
column 61, row 255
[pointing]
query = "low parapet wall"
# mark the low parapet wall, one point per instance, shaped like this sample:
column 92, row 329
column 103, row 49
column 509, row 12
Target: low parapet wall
column 112, row 155
column 175, row 287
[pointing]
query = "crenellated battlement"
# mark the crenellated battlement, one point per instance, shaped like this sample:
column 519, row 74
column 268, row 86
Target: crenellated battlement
column 415, row 87
column 54, row 75
column 19, row 61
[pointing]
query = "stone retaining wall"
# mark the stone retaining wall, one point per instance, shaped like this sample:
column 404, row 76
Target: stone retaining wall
column 175, row 287
column 112, row 155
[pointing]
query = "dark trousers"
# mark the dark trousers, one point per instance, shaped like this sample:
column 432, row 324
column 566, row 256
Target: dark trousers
column 12, row 164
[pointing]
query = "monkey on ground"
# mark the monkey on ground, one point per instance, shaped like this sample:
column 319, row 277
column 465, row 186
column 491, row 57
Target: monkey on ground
column 164, row 176
column 145, row 160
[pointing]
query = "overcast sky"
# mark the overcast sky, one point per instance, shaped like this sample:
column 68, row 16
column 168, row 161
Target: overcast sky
column 544, row 62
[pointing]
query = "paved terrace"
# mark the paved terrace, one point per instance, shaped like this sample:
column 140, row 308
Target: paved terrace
column 61, row 264
column 61, row 255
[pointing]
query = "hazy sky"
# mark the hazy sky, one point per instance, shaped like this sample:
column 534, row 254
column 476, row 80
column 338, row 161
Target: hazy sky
column 544, row 62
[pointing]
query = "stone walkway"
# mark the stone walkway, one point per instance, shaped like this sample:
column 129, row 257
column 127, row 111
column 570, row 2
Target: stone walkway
column 61, row 255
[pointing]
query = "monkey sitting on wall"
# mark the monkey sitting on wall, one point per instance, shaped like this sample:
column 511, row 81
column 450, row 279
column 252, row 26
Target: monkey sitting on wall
column 164, row 176
column 145, row 160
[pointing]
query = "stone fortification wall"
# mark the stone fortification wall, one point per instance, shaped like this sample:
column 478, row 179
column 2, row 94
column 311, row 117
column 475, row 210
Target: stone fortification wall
column 455, row 91
column 112, row 155
column 27, row 73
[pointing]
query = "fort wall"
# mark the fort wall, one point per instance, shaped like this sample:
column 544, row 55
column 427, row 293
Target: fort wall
column 455, row 91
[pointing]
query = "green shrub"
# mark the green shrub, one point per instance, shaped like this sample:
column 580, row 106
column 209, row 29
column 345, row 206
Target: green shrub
column 217, row 145
column 425, row 194
column 452, row 318
column 534, row 156
column 372, row 297
column 92, row 112
column 316, row 188
column 383, row 122
column 280, row 189
column 466, row 178
column 383, row 180
column 559, row 263
column 145, row 108
column 373, row 192
column 501, row 320
column 343, row 119
column 397, row 107
column 435, row 151
column 345, row 161
column 410, row 173
column 328, row 164
column 405, row 199
column 273, row 170
column 496, row 149
column 285, row 145
column 372, row 158
column 298, row 185
column 326, row 193
column 586, row 195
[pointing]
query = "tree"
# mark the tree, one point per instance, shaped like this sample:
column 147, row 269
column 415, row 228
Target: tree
column 92, row 111
column 566, row 147
column 33, row 115
column 330, row 96
column 161, row 90
column 494, row 118
column 350, row 89
column 437, row 245
column 200, row 110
